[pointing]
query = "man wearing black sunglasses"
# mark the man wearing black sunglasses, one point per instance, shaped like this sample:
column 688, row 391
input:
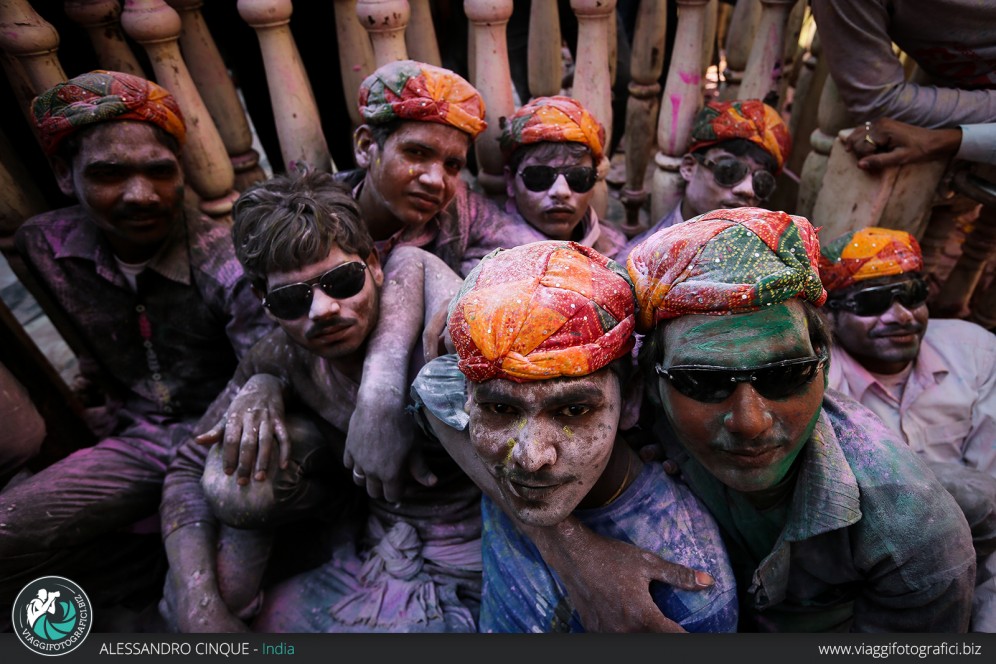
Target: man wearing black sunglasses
column 933, row 382
column 737, row 149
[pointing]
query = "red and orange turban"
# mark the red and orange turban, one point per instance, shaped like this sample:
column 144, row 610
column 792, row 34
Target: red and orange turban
column 542, row 310
column 866, row 254
column 102, row 96
column 410, row 90
column 749, row 119
column 725, row 262
column 556, row 119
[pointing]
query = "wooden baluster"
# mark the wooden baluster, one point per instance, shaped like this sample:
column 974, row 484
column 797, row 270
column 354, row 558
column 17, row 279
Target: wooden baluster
column 646, row 65
column 356, row 59
column 681, row 100
column 708, row 34
column 23, row 89
column 794, row 52
column 831, row 118
column 546, row 69
column 156, row 26
column 808, row 86
column 102, row 21
column 299, row 128
column 592, row 80
column 385, row 21
column 420, row 35
column 766, row 50
column 33, row 42
column 978, row 249
column 613, row 42
column 739, row 42
column 493, row 79
column 215, row 85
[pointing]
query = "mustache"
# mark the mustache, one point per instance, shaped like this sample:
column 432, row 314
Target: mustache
column 891, row 330
column 321, row 328
column 132, row 211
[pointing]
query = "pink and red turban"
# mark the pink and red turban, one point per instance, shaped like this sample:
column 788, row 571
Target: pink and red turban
column 725, row 262
column 749, row 119
column 866, row 254
column 556, row 119
column 542, row 310
column 102, row 96
column 410, row 90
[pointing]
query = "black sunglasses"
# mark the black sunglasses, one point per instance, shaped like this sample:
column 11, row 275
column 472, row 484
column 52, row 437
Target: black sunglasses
column 730, row 171
column 294, row 300
column 876, row 300
column 776, row 381
column 540, row 178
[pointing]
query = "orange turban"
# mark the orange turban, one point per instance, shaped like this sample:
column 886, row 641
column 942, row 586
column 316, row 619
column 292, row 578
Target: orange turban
column 866, row 254
column 410, row 90
column 556, row 119
column 542, row 310
column 725, row 262
column 102, row 96
column 749, row 119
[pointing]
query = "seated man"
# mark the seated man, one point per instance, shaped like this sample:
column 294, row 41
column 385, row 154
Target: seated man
column 737, row 148
column 154, row 290
column 538, row 426
column 932, row 381
column 552, row 148
column 311, row 260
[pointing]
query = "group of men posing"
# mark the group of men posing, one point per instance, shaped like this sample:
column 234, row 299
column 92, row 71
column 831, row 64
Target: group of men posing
column 379, row 401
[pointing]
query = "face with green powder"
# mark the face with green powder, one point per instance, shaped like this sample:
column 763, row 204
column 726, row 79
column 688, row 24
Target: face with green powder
column 747, row 440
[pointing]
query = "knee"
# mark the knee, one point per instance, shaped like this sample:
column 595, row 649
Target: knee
column 975, row 493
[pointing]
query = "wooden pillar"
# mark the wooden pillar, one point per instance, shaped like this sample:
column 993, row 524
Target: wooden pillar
column 102, row 21
column 646, row 65
column 385, row 21
column 831, row 118
column 793, row 52
column 156, row 26
column 681, row 100
column 739, row 42
column 420, row 35
column 33, row 42
column 210, row 75
column 493, row 79
column 356, row 60
column 299, row 127
column 546, row 70
column 592, row 79
column 708, row 32
column 760, row 77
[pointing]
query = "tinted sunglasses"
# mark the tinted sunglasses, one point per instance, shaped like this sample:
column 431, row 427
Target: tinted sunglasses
column 775, row 381
column 540, row 178
column 876, row 300
column 294, row 300
column 730, row 171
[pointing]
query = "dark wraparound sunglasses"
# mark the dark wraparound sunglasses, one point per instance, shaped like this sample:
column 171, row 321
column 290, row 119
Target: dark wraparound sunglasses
column 294, row 300
column 778, row 380
column 540, row 178
column 730, row 171
column 876, row 300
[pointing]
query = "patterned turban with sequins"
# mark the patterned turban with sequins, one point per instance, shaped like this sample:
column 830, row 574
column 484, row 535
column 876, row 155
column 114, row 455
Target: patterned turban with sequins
column 556, row 119
column 725, row 262
column 749, row 119
column 102, row 96
column 542, row 310
column 867, row 254
column 410, row 90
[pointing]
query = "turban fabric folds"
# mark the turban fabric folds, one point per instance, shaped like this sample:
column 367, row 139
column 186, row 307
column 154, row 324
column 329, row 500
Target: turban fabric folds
column 410, row 90
column 102, row 96
column 749, row 119
column 866, row 254
column 542, row 310
column 555, row 119
column 725, row 262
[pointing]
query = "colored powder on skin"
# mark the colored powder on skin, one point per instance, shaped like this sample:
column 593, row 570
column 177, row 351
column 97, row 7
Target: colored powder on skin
column 721, row 335
column 511, row 446
column 567, row 430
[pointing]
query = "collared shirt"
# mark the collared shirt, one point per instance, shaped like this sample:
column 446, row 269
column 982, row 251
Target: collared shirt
column 871, row 541
column 670, row 219
column 947, row 411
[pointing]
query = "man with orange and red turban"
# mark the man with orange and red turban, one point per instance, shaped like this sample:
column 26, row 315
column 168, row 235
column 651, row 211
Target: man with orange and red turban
column 736, row 150
column 553, row 148
column 158, row 301
column 932, row 381
column 531, row 405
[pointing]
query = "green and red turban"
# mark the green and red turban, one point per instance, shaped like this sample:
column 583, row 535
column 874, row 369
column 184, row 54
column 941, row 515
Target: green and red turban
column 867, row 254
column 725, row 262
column 749, row 119
column 102, row 96
column 410, row 90
column 542, row 310
column 556, row 119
